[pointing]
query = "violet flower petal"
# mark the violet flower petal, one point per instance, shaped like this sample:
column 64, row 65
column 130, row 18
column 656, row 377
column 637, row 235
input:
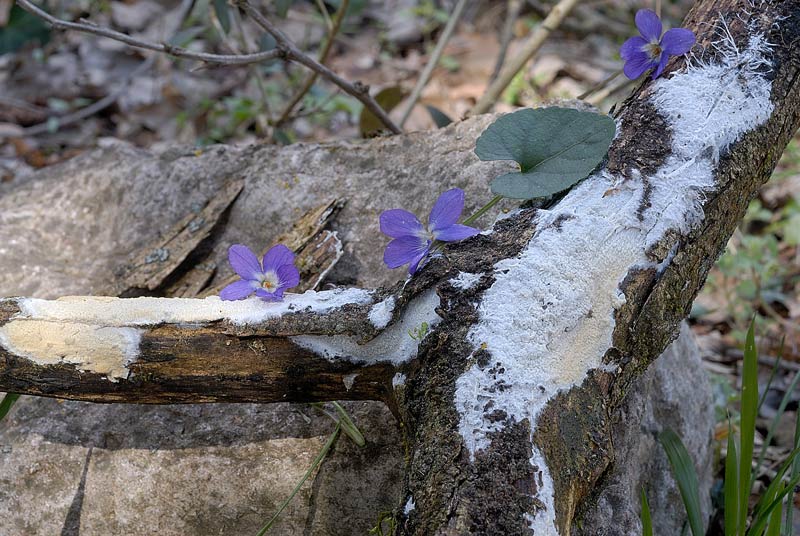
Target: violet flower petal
column 237, row 290
column 636, row 66
column 404, row 250
column 661, row 65
column 244, row 262
column 649, row 25
column 633, row 48
column 268, row 296
column 455, row 232
column 288, row 277
column 277, row 256
column 413, row 266
column 398, row 222
column 446, row 210
column 677, row 41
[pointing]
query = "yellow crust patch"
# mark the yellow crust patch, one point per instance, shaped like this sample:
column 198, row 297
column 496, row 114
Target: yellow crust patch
column 98, row 349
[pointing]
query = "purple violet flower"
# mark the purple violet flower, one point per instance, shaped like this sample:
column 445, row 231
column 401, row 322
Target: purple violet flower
column 651, row 50
column 268, row 279
column 412, row 241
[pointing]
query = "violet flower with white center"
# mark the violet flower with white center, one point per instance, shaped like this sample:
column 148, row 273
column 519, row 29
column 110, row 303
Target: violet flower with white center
column 268, row 279
column 652, row 50
column 412, row 241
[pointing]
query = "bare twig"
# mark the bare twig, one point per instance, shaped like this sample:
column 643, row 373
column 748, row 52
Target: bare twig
column 289, row 51
column 323, row 56
column 531, row 46
column 512, row 12
column 434, row 60
column 604, row 83
column 111, row 98
column 166, row 48
column 95, row 107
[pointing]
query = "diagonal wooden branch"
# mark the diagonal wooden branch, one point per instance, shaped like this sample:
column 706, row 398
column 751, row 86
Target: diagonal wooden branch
column 290, row 51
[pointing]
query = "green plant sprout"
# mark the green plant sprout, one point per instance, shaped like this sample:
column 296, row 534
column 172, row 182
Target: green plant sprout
column 766, row 517
column 419, row 333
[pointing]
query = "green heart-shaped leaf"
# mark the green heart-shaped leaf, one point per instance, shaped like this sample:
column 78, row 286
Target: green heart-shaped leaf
column 554, row 147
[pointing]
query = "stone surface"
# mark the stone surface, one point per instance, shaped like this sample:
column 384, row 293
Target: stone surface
column 673, row 393
column 77, row 468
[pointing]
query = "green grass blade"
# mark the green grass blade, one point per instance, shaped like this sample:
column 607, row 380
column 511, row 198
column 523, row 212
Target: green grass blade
column 774, row 424
column 647, row 522
column 7, row 404
column 749, row 408
column 774, row 524
column 789, row 527
column 776, row 482
column 348, row 426
column 731, row 485
column 686, row 476
column 318, row 460
column 761, row 519
column 773, row 373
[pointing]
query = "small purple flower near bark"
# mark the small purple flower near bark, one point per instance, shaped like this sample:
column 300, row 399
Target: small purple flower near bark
column 268, row 279
column 652, row 50
column 412, row 241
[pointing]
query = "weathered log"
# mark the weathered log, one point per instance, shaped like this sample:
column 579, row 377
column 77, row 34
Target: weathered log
column 535, row 331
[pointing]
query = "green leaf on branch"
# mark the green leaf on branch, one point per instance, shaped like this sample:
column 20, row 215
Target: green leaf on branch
column 223, row 15
column 554, row 147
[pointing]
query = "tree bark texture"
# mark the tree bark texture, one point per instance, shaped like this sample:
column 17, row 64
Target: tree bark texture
column 506, row 357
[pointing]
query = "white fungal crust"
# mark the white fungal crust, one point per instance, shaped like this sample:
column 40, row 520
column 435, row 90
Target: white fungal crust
column 99, row 334
column 465, row 280
column 381, row 313
column 548, row 318
column 397, row 344
column 409, row 507
column 107, row 311
column 102, row 350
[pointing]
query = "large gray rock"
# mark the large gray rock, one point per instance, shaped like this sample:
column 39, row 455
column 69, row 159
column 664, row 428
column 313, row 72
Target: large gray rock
column 674, row 393
column 224, row 469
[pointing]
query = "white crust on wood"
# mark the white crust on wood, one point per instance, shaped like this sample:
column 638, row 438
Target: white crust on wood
column 565, row 284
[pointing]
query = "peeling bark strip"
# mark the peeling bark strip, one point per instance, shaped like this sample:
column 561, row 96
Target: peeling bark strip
column 535, row 329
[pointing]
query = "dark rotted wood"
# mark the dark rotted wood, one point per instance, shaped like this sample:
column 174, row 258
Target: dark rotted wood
column 190, row 365
column 154, row 264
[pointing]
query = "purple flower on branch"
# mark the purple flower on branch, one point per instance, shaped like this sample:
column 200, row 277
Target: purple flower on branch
column 268, row 279
column 412, row 241
column 651, row 50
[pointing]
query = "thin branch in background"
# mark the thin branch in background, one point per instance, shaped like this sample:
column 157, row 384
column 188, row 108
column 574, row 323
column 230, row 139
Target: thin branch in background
column 610, row 91
column 57, row 122
column 111, row 98
column 324, row 11
column 600, row 85
column 512, row 12
column 178, row 52
column 323, row 57
column 529, row 49
column 289, row 51
column 436, row 55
